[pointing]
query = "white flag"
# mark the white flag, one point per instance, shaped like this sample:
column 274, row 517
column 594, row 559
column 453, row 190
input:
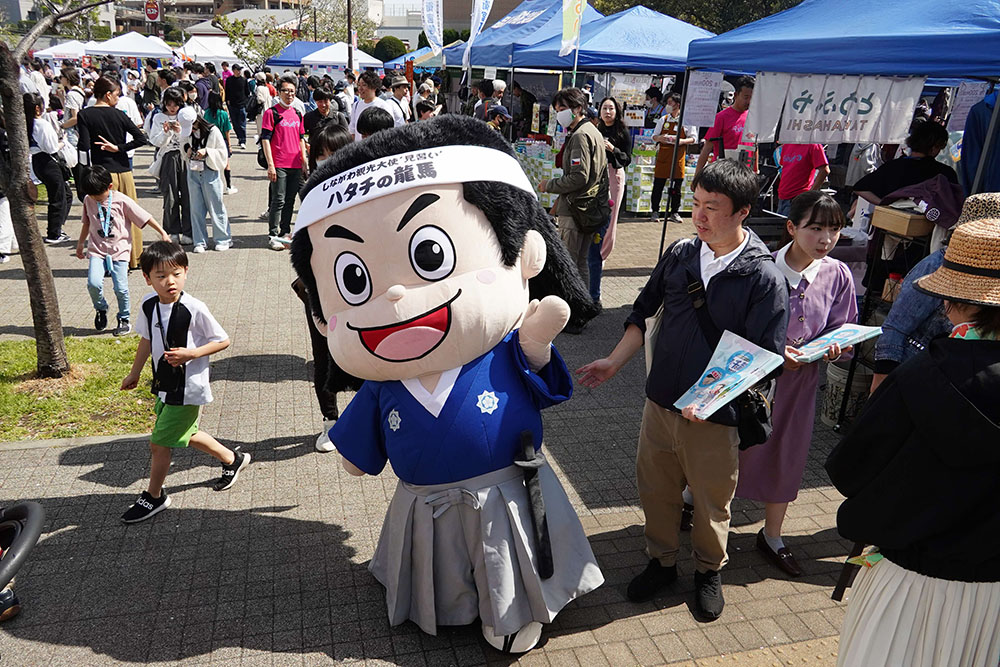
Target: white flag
column 432, row 25
column 480, row 12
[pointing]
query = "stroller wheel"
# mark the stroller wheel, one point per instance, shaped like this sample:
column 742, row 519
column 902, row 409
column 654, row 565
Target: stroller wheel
column 10, row 606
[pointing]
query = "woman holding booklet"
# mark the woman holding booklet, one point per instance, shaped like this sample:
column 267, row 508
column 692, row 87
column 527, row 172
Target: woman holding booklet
column 821, row 299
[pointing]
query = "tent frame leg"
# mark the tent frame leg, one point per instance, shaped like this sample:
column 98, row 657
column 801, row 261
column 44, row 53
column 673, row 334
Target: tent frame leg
column 990, row 140
column 677, row 147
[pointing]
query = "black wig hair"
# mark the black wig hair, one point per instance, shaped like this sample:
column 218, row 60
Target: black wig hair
column 510, row 211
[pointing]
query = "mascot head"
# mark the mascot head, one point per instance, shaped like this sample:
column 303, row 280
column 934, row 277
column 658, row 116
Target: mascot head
column 421, row 246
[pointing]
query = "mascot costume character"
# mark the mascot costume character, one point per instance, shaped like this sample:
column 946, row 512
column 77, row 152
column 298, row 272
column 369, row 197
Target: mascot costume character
column 420, row 248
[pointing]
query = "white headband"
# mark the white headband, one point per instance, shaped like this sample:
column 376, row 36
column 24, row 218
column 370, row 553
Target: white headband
column 394, row 173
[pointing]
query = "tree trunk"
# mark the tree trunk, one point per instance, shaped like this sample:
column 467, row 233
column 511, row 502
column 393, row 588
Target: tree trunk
column 49, row 343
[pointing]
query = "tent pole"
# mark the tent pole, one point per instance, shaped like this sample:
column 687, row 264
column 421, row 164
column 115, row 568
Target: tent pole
column 576, row 58
column 990, row 140
column 510, row 87
column 677, row 147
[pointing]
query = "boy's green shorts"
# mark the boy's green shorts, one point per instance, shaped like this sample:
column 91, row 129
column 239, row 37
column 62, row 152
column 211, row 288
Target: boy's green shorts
column 175, row 424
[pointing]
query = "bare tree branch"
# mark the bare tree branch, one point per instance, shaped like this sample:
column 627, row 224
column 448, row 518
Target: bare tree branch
column 47, row 22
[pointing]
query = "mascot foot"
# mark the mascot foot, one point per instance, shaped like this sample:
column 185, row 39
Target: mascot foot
column 521, row 641
column 10, row 606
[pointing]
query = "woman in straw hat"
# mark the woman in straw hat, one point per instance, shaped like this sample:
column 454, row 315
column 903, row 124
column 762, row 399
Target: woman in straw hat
column 919, row 469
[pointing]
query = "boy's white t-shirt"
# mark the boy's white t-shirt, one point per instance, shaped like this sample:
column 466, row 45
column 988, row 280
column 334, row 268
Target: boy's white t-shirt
column 203, row 329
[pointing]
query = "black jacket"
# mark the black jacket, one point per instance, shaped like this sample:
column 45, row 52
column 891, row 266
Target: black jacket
column 237, row 91
column 921, row 465
column 749, row 298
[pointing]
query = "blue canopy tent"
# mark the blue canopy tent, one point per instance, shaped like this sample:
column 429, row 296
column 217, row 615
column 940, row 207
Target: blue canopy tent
column 635, row 40
column 531, row 22
column 292, row 55
column 889, row 37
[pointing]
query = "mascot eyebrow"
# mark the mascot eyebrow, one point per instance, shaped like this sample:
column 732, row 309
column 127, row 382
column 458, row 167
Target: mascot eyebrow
column 419, row 204
column 338, row 232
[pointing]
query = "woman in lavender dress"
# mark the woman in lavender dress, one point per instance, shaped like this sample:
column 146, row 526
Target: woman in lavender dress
column 821, row 298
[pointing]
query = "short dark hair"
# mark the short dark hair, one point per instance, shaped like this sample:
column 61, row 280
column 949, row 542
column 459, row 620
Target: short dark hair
column 95, row 181
column 103, row 86
column 313, row 81
column 162, row 252
column 730, row 178
column 485, row 86
column 71, row 75
column 423, row 106
column 573, row 98
column 927, row 136
column 168, row 76
column 328, row 138
column 744, row 81
column 814, row 207
column 374, row 119
column 654, row 93
column 371, row 80
column 175, row 95
column 320, row 94
column 197, row 68
column 303, row 71
column 675, row 98
column 210, row 67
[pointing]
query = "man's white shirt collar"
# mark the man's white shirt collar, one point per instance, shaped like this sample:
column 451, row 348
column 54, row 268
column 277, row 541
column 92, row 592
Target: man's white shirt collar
column 711, row 265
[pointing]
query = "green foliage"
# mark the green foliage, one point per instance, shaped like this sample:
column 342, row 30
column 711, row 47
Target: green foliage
column 450, row 35
column 254, row 42
column 711, row 15
column 388, row 48
column 86, row 402
column 422, row 40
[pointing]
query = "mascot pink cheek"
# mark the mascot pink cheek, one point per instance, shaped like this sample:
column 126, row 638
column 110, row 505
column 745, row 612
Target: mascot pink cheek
column 486, row 277
column 332, row 324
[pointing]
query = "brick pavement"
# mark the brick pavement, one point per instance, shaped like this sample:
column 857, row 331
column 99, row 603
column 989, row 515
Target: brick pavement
column 274, row 571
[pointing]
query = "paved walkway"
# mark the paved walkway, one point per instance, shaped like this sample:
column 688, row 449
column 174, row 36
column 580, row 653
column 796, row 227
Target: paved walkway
column 274, row 570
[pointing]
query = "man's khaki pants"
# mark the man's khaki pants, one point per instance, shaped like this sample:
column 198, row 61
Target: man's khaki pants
column 578, row 244
column 673, row 452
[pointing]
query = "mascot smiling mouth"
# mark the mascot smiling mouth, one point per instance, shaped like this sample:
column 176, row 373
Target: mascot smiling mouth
column 409, row 340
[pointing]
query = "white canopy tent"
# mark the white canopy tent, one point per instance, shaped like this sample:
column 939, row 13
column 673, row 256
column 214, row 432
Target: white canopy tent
column 158, row 40
column 71, row 50
column 130, row 45
column 335, row 55
column 209, row 49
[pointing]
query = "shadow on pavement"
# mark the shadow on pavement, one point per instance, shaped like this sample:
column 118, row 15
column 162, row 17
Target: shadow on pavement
column 261, row 368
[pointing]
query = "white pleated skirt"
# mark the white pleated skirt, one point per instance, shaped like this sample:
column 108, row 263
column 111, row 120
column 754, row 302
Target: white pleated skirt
column 450, row 553
column 900, row 618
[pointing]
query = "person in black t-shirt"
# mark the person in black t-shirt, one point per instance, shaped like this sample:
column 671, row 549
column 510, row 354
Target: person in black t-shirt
column 237, row 96
column 322, row 114
column 925, row 142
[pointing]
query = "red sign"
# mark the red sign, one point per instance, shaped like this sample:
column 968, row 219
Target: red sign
column 152, row 10
column 409, row 72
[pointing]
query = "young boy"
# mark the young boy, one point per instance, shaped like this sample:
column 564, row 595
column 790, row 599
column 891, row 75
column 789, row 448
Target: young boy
column 180, row 333
column 108, row 217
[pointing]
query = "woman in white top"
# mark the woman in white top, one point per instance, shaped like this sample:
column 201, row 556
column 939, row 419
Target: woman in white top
column 45, row 166
column 167, row 132
column 207, row 156
column 264, row 101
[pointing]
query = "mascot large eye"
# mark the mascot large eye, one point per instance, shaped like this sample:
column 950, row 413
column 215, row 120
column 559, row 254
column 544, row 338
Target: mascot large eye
column 353, row 281
column 432, row 253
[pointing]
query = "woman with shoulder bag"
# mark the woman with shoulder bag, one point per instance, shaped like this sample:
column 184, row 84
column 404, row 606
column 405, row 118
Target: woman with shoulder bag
column 207, row 157
column 47, row 166
column 618, row 146
column 168, row 133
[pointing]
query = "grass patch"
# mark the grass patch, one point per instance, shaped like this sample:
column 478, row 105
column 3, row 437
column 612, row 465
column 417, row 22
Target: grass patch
column 87, row 401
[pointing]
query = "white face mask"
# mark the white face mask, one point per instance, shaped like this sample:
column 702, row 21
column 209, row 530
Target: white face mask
column 565, row 117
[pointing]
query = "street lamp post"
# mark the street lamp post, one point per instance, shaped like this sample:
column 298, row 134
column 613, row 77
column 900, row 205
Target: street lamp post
column 350, row 42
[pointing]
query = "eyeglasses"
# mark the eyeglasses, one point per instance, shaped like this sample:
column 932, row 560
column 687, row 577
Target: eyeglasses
column 287, row 91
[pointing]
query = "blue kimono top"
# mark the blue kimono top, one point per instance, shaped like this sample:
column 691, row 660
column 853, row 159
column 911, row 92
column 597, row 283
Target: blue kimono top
column 495, row 398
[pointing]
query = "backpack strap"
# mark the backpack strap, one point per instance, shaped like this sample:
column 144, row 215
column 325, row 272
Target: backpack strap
column 696, row 291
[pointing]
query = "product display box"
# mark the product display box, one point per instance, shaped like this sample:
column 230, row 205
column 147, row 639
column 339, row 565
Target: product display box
column 903, row 222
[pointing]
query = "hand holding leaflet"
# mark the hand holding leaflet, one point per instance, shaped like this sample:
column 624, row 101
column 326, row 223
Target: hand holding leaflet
column 848, row 334
column 735, row 366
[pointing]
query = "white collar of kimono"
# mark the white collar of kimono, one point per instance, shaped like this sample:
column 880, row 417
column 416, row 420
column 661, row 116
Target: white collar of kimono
column 434, row 401
column 795, row 277
column 443, row 165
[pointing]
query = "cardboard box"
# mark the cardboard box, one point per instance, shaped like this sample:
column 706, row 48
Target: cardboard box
column 904, row 223
column 890, row 291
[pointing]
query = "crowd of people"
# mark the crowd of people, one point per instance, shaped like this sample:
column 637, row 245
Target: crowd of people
column 725, row 279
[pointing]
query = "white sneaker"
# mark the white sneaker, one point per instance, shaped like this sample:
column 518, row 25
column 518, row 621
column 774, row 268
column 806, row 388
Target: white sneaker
column 243, row 146
column 521, row 641
column 223, row 246
column 275, row 244
column 231, row 191
column 323, row 443
column 4, row 259
column 198, row 249
column 186, row 240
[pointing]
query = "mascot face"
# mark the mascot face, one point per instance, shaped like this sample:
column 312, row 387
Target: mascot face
column 413, row 283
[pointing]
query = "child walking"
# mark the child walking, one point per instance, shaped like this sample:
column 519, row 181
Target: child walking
column 108, row 217
column 821, row 299
column 180, row 333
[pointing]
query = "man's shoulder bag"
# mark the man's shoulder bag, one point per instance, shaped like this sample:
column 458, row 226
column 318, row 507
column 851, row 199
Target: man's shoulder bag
column 592, row 209
column 753, row 407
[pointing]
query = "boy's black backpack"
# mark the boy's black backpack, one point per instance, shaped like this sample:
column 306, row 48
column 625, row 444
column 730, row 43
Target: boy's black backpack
column 302, row 90
column 261, row 158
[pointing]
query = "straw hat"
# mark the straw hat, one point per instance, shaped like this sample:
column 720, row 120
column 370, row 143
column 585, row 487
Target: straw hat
column 971, row 269
column 984, row 206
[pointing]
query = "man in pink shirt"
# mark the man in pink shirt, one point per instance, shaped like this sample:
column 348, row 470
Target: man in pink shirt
column 799, row 162
column 225, row 74
column 283, row 139
column 725, row 137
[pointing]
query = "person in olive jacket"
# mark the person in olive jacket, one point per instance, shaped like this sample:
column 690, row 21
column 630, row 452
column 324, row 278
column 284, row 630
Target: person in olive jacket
column 585, row 178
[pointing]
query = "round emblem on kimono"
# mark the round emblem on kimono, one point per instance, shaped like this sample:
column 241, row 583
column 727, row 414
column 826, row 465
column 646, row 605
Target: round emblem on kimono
column 487, row 402
column 394, row 420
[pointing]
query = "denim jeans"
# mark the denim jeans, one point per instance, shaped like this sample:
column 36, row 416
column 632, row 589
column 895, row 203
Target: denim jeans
column 595, row 263
column 238, row 117
column 784, row 207
column 205, row 191
column 95, row 285
column 283, row 192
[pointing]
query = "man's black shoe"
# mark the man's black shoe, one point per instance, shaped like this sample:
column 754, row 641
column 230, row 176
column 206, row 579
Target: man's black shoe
column 687, row 517
column 708, row 594
column 101, row 320
column 648, row 583
column 575, row 326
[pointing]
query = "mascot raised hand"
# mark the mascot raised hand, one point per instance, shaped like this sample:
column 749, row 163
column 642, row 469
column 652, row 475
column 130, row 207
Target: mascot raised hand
column 437, row 277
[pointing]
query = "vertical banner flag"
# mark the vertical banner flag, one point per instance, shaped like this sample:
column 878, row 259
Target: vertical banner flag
column 480, row 12
column 354, row 48
column 572, row 15
column 432, row 25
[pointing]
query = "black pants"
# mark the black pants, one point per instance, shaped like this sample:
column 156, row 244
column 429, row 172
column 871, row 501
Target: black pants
column 674, row 192
column 176, row 202
column 322, row 361
column 50, row 174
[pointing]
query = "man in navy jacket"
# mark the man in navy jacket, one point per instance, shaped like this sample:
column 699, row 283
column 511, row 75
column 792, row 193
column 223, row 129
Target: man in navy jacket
column 744, row 293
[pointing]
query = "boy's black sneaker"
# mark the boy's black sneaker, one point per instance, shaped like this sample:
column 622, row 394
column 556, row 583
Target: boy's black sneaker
column 708, row 594
column 232, row 471
column 10, row 606
column 648, row 583
column 101, row 320
column 123, row 328
column 145, row 507
column 62, row 238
